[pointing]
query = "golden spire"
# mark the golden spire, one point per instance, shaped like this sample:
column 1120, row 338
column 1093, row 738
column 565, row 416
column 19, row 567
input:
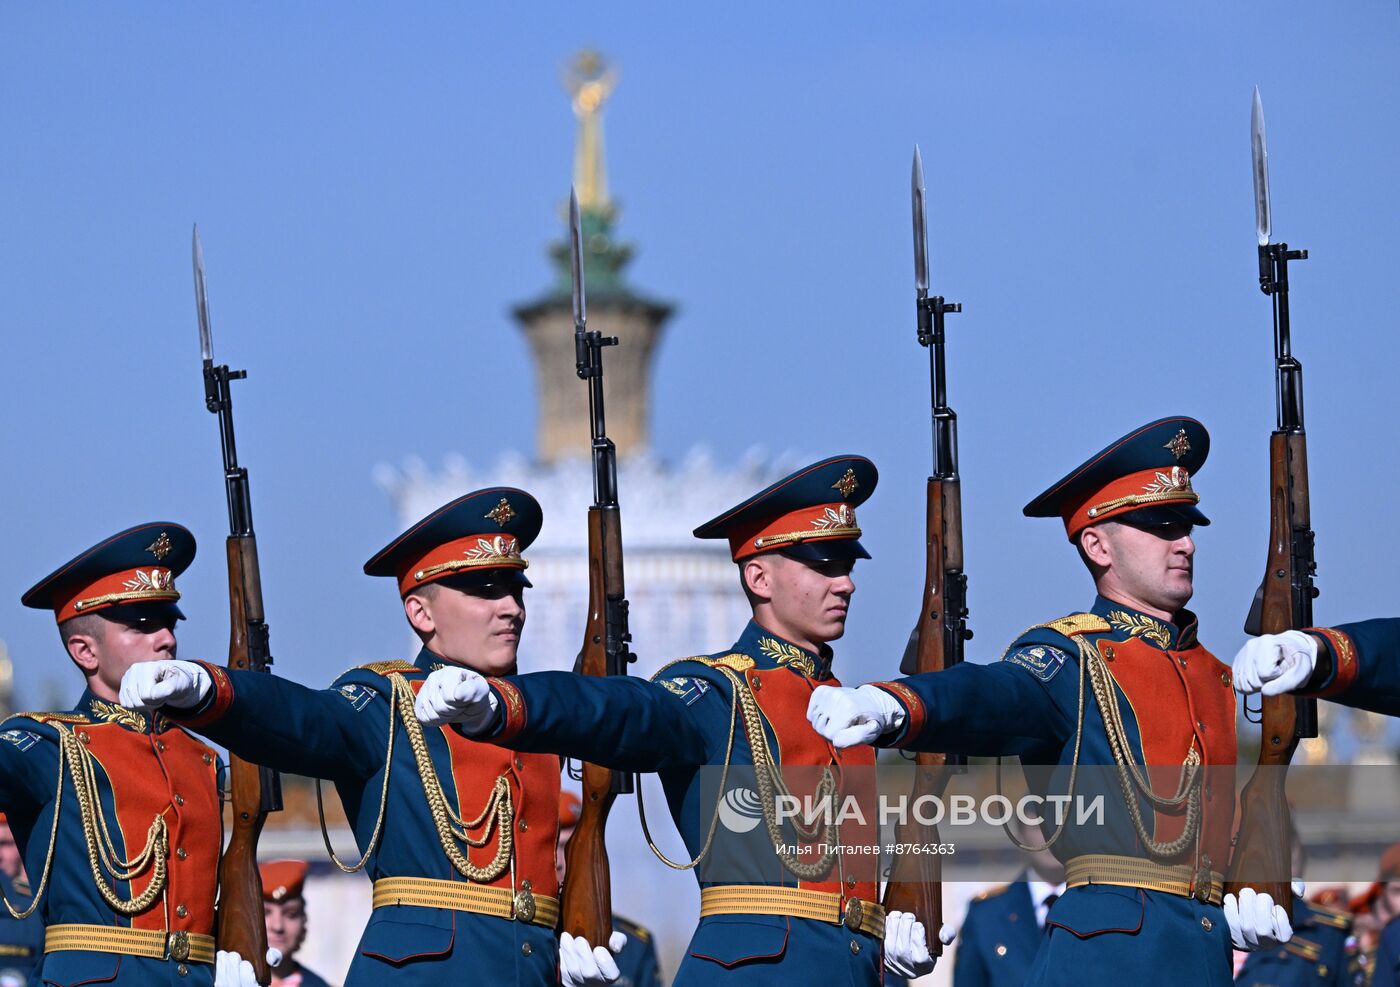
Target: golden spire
column 590, row 81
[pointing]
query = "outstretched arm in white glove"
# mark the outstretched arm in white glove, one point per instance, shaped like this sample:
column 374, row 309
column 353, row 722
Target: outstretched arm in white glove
column 153, row 684
column 232, row 970
column 1275, row 663
column 906, row 945
column 581, row 965
column 848, row 717
column 456, row 695
column 1256, row 922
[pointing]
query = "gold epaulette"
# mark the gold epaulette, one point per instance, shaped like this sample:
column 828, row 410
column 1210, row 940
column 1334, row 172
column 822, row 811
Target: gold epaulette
column 992, row 892
column 51, row 717
column 1078, row 623
column 385, row 667
column 1305, row 948
column 1330, row 916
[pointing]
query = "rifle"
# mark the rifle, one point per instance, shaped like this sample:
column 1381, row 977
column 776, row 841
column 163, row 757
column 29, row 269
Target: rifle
column 256, row 790
column 1262, row 847
column 587, row 905
column 915, row 883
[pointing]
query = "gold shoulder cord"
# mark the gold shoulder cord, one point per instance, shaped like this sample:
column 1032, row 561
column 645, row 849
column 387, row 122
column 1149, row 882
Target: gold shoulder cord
column 768, row 777
column 1091, row 663
column 102, row 852
column 452, row 828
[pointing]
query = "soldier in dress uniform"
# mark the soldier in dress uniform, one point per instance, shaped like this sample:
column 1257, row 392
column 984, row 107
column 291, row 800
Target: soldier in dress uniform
column 284, row 910
column 21, row 940
column 1124, row 684
column 458, row 836
column 1352, row 664
column 124, row 849
column 637, row 963
column 776, row 903
column 1318, row 955
column 1001, row 934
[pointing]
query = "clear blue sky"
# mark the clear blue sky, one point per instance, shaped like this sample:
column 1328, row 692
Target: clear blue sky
column 376, row 184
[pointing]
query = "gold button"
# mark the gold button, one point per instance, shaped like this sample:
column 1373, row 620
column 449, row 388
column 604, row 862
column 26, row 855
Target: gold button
column 527, row 885
column 182, row 911
column 160, row 746
column 179, row 799
column 1182, row 659
column 526, row 949
column 524, row 826
column 855, row 948
column 1200, row 726
column 1322, row 969
column 756, row 685
column 1001, row 949
column 83, row 736
column 1108, row 652
column 182, row 970
column 519, row 764
column 208, row 758
column 850, row 882
column 181, row 852
column 1206, row 924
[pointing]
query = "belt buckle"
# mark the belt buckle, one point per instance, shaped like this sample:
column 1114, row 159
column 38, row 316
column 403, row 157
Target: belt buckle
column 177, row 944
column 524, row 906
column 854, row 913
column 1203, row 881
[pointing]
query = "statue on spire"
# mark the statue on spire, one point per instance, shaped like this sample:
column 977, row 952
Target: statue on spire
column 590, row 80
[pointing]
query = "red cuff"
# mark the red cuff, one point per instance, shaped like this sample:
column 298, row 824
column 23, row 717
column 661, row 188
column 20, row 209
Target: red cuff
column 513, row 706
column 917, row 712
column 218, row 703
column 1344, row 663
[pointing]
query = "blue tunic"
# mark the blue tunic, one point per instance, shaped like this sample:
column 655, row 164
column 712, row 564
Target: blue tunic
column 341, row 734
column 680, row 727
column 1365, row 668
column 998, row 939
column 1176, row 703
column 637, row 964
column 144, row 768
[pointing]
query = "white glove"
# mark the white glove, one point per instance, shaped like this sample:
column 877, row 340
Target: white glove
column 848, row 717
column 152, row 684
column 581, row 965
column 1256, row 922
column 906, row 945
column 456, row 695
column 1275, row 663
column 230, row 969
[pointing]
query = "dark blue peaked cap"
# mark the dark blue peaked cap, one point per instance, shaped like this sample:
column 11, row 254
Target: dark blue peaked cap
column 1144, row 478
column 473, row 541
column 130, row 575
column 808, row 515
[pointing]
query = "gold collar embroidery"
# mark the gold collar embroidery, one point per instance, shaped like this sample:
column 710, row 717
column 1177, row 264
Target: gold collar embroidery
column 113, row 713
column 788, row 655
column 1143, row 626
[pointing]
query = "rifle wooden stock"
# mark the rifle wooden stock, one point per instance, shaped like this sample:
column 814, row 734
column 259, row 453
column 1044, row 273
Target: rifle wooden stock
column 1263, row 845
column 915, row 883
column 587, row 901
column 240, row 926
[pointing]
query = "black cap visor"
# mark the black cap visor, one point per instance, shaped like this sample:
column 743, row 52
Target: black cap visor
column 480, row 579
column 1163, row 515
column 832, row 550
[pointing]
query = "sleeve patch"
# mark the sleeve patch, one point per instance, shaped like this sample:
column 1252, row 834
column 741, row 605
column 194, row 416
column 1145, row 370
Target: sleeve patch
column 358, row 696
column 1041, row 660
column 22, row 739
column 689, row 690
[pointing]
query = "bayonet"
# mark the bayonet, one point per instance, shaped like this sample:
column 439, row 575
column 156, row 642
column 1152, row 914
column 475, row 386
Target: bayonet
column 201, row 301
column 576, row 263
column 1263, row 221
column 920, row 232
